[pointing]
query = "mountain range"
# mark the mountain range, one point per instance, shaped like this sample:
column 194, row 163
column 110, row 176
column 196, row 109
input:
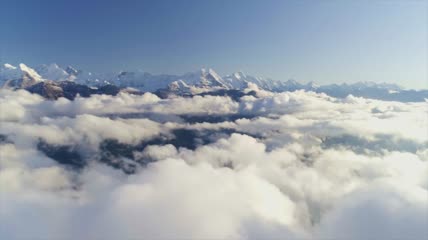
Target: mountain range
column 53, row 81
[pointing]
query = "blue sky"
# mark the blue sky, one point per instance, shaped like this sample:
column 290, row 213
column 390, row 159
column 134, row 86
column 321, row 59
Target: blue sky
column 322, row 41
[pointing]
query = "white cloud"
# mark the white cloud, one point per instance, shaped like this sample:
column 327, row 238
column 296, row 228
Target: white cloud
column 306, row 166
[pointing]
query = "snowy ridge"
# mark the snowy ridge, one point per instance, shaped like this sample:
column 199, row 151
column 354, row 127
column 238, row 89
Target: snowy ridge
column 19, row 78
column 190, row 83
column 54, row 72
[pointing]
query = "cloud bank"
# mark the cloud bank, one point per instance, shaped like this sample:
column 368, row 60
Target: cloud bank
column 292, row 165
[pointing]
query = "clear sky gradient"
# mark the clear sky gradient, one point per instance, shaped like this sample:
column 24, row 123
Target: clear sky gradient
column 322, row 41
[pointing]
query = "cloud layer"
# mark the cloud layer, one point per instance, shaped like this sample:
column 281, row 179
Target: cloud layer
column 292, row 165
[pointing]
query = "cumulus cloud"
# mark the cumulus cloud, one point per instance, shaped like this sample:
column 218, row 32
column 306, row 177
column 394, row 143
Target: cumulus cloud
column 292, row 165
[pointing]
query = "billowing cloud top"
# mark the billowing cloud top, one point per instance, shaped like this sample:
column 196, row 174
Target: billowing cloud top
column 292, row 165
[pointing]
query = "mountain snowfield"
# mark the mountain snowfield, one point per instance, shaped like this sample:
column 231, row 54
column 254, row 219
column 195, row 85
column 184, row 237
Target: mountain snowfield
column 204, row 80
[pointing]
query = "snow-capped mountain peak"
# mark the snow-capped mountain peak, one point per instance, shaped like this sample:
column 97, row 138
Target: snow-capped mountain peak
column 312, row 85
column 212, row 73
column 239, row 75
column 292, row 82
column 9, row 66
column 72, row 71
column 178, row 86
column 52, row 71
column 29, row 72
column 209, row 78
column 19, row 78
column 203, row 80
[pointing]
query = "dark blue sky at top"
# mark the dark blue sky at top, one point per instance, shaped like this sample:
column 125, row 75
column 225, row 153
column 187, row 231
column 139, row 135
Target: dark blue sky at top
column 321, row 41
